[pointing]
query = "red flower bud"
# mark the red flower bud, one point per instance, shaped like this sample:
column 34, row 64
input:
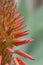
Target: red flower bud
column 16, row 26
column 20, row 27
column 21, row 62
column 8, row 49
column 20, row 34
column 21, row 42
column 15, row 61
column 21, row 53
column 19, row 20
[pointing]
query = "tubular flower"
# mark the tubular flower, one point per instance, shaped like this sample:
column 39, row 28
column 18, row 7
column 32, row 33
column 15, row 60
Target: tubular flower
column 10, row 26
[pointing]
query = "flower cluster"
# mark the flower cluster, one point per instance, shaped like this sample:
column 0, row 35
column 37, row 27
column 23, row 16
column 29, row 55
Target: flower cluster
column 10, row 26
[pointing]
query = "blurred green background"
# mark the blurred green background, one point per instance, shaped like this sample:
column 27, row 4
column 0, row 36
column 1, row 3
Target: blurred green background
column 34, row 21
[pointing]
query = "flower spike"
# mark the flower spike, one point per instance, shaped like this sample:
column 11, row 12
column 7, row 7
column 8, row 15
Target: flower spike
column 10, row 33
